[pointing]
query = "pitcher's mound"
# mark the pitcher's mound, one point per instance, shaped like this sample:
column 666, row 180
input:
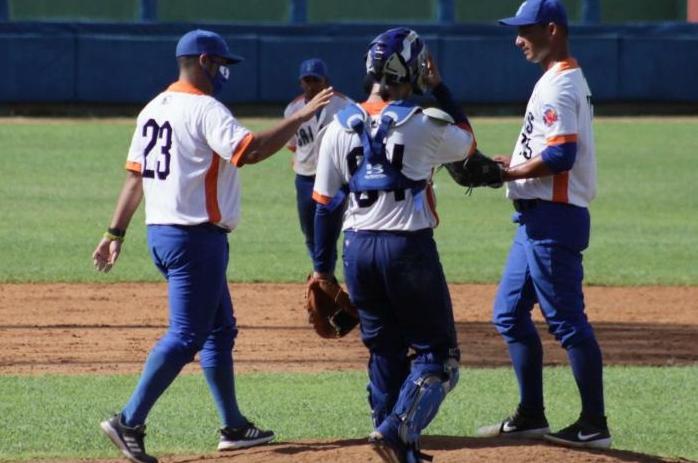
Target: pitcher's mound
column 443, row 449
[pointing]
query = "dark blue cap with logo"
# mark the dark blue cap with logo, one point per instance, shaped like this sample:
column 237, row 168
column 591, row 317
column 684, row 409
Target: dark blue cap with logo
column 313, row 67
column 200, row 42
column 538, row 12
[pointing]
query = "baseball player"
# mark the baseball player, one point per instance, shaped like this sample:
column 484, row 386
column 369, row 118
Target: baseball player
column 377, row 159
column 313, row 78
column 551, row 179
column 184, row 159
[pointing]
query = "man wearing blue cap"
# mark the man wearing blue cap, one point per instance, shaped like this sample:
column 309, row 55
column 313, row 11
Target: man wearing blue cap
column 551, row 179
column 304, row 144
column 184, row 159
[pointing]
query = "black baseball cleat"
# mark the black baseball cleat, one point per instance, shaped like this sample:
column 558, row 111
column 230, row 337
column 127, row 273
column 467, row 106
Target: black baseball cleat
column 128, row 440
column 517, row 426
column 583, row 433
column 396, row 452
column 243, row 437
column 389, row 452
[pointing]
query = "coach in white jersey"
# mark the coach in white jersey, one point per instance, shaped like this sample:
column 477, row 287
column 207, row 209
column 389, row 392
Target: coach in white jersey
column 377, row 160
column 551, row 180
column 184, row 158
column 313, row 77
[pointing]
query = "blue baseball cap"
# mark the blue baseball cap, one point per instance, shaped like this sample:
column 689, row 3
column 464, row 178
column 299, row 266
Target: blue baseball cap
column 199, row 42
column 313, row 67
column 538, row 12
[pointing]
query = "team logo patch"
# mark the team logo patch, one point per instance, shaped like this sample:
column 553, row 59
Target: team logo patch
column 549, row 115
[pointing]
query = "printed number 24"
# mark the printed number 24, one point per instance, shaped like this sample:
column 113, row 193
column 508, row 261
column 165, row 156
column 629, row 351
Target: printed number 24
column 163, row 132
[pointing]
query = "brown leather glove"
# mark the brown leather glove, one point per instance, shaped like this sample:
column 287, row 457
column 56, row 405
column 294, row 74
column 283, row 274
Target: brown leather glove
column 329, row 309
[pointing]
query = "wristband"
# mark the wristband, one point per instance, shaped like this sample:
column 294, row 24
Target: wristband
column 115, row 234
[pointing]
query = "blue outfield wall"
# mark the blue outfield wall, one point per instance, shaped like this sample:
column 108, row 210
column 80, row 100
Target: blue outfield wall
column 130, row 63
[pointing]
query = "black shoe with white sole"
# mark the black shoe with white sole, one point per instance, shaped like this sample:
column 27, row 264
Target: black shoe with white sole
column 243, row 437
column 128, row 439
column 583, row 433
column 518, row 425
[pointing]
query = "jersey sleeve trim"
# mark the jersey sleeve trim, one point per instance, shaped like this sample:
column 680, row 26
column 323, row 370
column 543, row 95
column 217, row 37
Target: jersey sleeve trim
column 322, row 199
column 561, row 139
column 291, row 148
column 134, row 166
column 211, row 189
column 240, row 149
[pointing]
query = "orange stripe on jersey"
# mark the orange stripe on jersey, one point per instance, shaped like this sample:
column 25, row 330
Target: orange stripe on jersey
column 291, row 148
column 431, row 201
column 211, row 188
column 566, row 65
column 236, row 159
column 560, row 186
column 322, row 199
column 134, row 166
column 560, row 139
column 374, row 107
column 184, row 87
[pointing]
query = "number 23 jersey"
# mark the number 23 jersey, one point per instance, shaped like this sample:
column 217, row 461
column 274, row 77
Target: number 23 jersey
column 559, row 111
column 188, row 146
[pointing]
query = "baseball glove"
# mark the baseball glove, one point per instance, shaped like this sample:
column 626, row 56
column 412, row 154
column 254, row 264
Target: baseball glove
column 476, row 171
column 329, row 309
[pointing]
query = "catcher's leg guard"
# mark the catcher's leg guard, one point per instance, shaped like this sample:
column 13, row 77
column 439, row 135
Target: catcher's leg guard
column 421, row 396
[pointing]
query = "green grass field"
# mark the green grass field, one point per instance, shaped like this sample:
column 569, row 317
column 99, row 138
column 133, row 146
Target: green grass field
column 307, row 406
column 59, row 182
column 58, row 187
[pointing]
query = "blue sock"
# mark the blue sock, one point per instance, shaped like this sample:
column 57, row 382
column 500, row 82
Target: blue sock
column 158, row 373
column 527, row 358
column 587, row 368
column 221, row 383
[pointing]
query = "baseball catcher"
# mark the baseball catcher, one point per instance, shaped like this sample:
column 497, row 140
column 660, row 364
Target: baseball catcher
column 329, row 309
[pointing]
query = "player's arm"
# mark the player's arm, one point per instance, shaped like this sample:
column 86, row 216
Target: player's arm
column 266, row 143
column 330, row 199
column 445, row 99
column 109, row 248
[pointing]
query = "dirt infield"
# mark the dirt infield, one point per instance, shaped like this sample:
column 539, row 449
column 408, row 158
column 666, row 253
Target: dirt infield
column 82, row 329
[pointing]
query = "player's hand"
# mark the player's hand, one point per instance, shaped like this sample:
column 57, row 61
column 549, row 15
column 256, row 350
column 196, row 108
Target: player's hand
column 106, row 254
column 318, row 102
column 503, row 160
column 433, row 76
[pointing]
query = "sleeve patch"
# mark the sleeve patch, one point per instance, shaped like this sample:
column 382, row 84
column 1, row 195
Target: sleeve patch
column 550, row 115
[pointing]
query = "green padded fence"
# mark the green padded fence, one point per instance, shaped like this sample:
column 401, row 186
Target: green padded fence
column 224, row 10
column 320, row 11
column 72, row 10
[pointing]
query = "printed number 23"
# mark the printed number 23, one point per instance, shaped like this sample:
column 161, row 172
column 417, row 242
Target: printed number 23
column 163, row 132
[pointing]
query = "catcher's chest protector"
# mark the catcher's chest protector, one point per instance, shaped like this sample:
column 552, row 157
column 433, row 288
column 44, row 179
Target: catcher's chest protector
column 373, row 171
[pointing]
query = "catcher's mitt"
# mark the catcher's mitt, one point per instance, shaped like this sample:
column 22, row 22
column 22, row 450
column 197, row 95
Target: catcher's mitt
column 329, row 309
column 476, row 171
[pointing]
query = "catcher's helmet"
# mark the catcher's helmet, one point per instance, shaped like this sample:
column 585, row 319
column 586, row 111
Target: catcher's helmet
column 397, row 56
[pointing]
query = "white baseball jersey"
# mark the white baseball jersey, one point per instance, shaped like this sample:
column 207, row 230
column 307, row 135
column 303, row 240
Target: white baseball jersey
column 187, row 146
column 424, row 143
column 304, row 143
column 558, row 111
